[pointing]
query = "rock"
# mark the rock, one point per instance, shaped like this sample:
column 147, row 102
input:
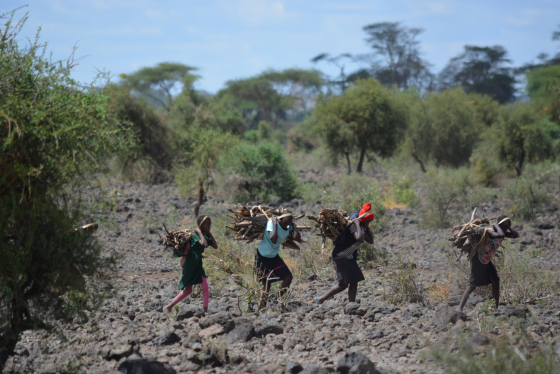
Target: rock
column 314, row 370
column 242, row 332
column 294, row 367
column 213, row 330
column 145, row 367
column 351, row 308
column 515, row 312
column 355, row 363
column 527, row 241
column 122, row 350
column 155, row 306
column 479, row 339
column 377, row 334
column 223, row 319
column 263, row 326
column 544, row 225
column 184, row 314
column 312, row 277
column 167, row 338
column 445, row 314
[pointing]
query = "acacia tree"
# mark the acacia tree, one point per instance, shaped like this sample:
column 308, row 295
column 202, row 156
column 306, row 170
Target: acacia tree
column 54, row 135
column 158, row 83
column 397, row 60
column 481, row 70
column 444, row 128
column 366, row 118
column 525, row 135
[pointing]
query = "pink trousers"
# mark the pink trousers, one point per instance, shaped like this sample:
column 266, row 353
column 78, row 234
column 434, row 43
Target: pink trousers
column 188, row 290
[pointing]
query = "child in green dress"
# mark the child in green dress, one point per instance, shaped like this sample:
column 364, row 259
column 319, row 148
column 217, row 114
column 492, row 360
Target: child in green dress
column 193, row 272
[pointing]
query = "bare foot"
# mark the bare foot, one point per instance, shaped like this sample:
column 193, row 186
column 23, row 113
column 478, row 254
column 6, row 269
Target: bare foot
column 168, row 308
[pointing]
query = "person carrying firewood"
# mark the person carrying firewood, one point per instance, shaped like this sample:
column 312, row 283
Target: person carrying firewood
column 345, row 254
column 269, row 264
column 193, row 272
column 483, row 271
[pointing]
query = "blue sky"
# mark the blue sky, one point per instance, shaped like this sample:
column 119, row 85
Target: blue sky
column 229, row 39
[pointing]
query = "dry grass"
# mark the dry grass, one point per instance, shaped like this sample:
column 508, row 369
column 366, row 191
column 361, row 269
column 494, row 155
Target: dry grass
column 440, row 291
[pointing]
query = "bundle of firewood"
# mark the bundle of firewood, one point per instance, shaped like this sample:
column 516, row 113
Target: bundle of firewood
column 331, row 222
column 250, row 222
column 469, row 237
column 178, row 240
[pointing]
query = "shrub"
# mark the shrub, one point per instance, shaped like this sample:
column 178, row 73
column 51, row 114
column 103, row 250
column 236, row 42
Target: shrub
column 515, row 353
column 302, row 138
column 444, row 127
column 353, row 183
column 54, row 134
column 446, row 191
column 263, row 172
column 527, row 197
column 401, row 286
column 402, row 192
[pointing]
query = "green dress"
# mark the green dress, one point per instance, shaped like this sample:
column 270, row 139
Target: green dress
column 193, row 270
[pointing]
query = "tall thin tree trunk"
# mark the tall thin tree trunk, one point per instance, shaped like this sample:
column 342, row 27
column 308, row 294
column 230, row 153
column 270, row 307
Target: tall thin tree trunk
column 417, row 159
column 200, row 201
column 347, row 154
column 361, row 161
column 519, row 167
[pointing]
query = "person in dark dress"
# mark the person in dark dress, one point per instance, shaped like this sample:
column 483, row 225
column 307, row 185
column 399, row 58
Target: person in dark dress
column 483, row 271
column 193, row 271
column 345, row 254
column 268, row 262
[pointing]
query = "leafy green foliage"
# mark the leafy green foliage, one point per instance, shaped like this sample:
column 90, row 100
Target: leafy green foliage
column 525, row 135
column 157, row 83
column 365, row 119
column 263, row 172
column 446, row 192
column 528, row 196
column 543, row 86
column 444, row 128
column 481, row 70
column 54, row 134
column 403, row 192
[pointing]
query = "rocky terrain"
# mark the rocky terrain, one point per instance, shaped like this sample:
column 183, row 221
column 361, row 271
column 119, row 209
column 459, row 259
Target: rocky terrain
column 131, row 333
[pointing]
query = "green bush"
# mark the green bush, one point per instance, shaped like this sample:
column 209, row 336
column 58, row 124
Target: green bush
column 263, row 172
column 527, row 197
column 54, row 135
column 352, row 184
column 402, row 285
column 402, row 192
column 446, row 191
column 444, row 128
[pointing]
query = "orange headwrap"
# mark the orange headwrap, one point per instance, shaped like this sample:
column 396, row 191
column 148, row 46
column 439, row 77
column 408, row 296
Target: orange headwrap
column 366, row 209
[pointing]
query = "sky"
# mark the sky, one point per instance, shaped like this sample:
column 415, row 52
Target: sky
column 232, row 39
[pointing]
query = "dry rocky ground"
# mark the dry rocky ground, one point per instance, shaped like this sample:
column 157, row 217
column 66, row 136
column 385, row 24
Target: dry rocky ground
column 130, row 332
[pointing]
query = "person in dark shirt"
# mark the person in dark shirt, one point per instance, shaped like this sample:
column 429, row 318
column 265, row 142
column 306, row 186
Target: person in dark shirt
column 345, row 255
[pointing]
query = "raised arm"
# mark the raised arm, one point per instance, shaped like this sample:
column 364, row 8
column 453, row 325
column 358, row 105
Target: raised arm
column 202, row 240
column 297, row 234
column 368, row 235
column 359, row 234
column 214, row 243
column 512, row 233
column 498, row 233
column 274, row 233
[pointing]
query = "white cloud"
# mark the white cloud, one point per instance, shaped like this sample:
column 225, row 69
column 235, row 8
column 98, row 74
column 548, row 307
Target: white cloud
column 255, row 11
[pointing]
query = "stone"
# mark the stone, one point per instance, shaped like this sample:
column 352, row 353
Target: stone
column 120, row 351
column 167, row 338
column 213, row 330
column 527, row 241
column 145, row 367
column 242, row 332
column 444, row 314
column 377, row 334
column 479, row 339
column 223, row 319
column 355, row 363
column 515, row 312
column 184, row 314
column 314, row 370
column 294, row 367
column 544, row 225
column 351, row 308
column 264, row 325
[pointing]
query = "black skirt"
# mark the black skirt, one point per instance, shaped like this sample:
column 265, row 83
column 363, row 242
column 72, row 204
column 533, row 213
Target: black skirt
column 482, row 275
column 272, row 269
column 347, row 271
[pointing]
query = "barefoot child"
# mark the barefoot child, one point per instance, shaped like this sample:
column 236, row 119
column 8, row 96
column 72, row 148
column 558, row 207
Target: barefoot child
column 267, row 260
column 345, row 255
column 483, row 271
column 193, row 272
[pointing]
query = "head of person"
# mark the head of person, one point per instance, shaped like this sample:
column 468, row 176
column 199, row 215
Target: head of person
column 204, row 224
column 504, row 222
column 367, row 214
column 286, row 219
